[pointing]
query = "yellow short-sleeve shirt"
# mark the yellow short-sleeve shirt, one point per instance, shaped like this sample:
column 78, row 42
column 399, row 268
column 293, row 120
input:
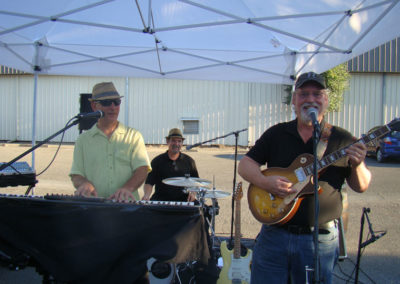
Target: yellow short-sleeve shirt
column 109, row 163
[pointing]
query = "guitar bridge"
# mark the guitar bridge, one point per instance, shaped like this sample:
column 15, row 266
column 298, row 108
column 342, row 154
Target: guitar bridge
column 300, row 174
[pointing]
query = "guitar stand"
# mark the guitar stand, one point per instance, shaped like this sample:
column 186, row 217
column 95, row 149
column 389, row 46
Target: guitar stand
column 374, row 236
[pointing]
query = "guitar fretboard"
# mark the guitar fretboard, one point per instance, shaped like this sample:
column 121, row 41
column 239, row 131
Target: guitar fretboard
column 341, row 153
column 236, row 245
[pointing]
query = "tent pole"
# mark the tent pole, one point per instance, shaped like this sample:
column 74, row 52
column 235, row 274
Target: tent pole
column 34, row 117
column 36, row 70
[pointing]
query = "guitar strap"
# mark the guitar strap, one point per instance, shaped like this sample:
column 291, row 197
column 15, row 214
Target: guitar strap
column 323, row 141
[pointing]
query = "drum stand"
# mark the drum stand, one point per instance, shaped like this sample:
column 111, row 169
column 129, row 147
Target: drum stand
column 212, row 212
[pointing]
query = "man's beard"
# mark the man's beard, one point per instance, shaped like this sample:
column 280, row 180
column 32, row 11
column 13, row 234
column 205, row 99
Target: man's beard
column 304, row 117
column 175, row 149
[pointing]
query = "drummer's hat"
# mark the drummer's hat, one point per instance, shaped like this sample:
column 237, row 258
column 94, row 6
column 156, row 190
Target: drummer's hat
column 175, row 132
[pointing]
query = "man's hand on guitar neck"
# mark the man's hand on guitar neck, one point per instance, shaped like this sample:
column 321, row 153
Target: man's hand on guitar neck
column 360, row 176
column 356, row 153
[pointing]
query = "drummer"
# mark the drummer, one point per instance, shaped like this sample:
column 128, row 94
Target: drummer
column 172, row 163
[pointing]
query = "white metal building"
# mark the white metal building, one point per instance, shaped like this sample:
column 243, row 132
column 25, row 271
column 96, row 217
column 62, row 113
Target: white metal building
column 208, row 109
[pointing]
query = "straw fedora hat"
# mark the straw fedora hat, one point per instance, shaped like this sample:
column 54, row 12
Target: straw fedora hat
column 104, row 91
column 175, row 132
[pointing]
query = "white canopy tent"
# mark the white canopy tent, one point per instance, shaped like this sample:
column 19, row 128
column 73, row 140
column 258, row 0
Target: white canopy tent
column 238, row 40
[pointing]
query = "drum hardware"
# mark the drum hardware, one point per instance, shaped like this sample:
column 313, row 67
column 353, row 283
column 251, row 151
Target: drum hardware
column 187, row 181
column 213, row 210
column 197, row 189
column 160, row 272
column 213, row 194
column 200, row 187
column 203, row 192
column 185, row 272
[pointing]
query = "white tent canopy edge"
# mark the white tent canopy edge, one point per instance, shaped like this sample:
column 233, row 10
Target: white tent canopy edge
column 259, row 41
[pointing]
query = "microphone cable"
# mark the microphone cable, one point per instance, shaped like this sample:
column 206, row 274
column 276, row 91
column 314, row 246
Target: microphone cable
column 58, row 149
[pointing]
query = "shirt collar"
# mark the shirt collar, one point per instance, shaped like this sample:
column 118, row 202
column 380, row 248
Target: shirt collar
column 291, row 127
column 166, row 154
column 121, row 128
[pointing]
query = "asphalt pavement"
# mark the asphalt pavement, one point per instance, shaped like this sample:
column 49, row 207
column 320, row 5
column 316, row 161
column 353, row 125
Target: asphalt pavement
column 379, row 261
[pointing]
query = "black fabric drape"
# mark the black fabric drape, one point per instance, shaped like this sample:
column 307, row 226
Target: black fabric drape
column 99, row 242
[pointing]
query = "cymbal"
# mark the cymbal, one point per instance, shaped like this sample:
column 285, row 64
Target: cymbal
column 187, row 181
column 216, row 194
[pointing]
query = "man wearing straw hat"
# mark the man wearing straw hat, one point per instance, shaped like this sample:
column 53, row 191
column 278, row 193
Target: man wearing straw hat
column 172, row 163
column 110, row 159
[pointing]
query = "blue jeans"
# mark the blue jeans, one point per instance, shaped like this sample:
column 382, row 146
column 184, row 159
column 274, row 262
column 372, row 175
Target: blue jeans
column 279, row 255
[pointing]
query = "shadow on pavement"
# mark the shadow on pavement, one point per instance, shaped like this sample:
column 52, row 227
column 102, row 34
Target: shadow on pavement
column 373, row 269
column 229, row 156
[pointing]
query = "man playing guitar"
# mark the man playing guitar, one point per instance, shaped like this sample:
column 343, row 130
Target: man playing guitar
column 284, row 248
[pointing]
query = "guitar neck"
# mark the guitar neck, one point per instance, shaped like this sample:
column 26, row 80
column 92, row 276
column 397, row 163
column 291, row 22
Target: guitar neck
column 333, row 157
column 236, row 247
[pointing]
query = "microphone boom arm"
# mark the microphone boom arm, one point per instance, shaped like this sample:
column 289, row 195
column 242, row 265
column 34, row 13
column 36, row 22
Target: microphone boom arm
column 5, row 165
column 214, row 139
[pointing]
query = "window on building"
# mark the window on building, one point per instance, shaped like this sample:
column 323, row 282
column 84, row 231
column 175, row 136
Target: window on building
column 190, row 125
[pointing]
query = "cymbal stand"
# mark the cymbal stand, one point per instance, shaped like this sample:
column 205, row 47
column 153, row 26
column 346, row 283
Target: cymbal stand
column 213, row 211
column 211, row 224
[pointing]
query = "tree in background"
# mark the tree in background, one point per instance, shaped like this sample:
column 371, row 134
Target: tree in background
column 337, row 81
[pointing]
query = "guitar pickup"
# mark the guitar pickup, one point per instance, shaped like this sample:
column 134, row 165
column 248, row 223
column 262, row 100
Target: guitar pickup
column 272, row 197
column 300, row 174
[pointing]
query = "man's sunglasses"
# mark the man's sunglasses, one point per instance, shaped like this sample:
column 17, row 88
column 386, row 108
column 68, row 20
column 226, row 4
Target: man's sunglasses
column 106, row 103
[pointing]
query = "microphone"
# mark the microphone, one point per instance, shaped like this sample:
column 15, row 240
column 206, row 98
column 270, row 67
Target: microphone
column 95, row 114
column 373, row 239
column 313, row 114
column 188, row 147
column 381, row 234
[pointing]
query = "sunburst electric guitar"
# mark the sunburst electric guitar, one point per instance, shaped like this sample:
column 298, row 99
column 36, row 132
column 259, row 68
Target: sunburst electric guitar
column 270, row 209
column 236, row 268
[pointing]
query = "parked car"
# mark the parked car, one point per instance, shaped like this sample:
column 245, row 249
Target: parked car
column 384, row 147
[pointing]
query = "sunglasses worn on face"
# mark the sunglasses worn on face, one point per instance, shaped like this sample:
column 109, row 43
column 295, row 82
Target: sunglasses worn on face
column 106, row 103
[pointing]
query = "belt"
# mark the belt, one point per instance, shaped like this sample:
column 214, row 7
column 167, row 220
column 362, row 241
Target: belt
column 300, row 230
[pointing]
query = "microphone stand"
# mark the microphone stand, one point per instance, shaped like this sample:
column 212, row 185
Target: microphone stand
column 367, row 242
column 5, row 165
column 236, row 133
column 315, row 137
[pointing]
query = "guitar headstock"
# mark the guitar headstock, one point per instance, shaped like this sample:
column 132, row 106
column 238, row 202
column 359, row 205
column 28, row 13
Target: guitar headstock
column 395, row 124
column 238, row 194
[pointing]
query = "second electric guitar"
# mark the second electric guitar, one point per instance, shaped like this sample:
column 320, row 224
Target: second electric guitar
column 270, row 209
column 236, row 268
